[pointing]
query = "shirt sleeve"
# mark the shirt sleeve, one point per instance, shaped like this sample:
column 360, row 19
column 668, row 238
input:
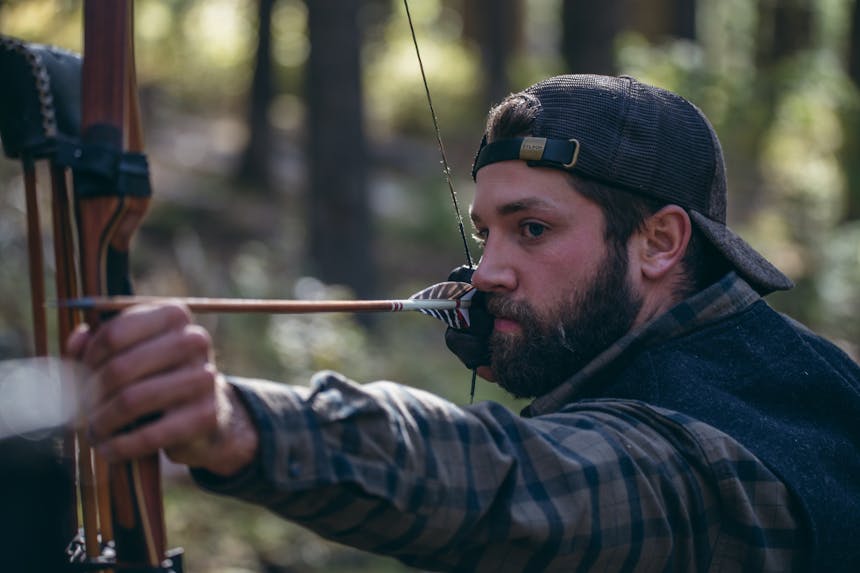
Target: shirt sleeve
column 606, row 484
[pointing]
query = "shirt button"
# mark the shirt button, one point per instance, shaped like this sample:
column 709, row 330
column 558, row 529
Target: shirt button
column 295, row 469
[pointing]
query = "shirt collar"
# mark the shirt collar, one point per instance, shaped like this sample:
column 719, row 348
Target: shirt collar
column 729, row 295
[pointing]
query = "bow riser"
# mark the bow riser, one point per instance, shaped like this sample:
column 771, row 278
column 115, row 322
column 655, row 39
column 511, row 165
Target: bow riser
column 108, row 212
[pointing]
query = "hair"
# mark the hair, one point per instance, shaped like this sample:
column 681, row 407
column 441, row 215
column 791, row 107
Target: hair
column 624, row 212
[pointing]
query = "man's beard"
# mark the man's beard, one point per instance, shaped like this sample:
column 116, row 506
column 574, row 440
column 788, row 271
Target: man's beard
column 547, row 352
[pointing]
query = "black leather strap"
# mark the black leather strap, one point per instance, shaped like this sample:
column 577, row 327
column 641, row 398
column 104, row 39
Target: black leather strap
column 101, row 169
column 558, row 153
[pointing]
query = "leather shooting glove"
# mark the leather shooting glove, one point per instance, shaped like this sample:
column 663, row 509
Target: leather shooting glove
column 470, row 344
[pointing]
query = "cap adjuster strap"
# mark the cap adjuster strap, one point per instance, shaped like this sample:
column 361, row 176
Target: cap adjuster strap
column 558, row 153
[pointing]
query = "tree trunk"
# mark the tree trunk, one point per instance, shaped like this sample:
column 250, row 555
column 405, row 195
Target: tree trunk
column 658, row 20
column 338, row 209
column 785, row 29
column 854, row 53
column 588, row 34
column 255, row 166
column 496, row 26
column 851, row 125
column 684, row 19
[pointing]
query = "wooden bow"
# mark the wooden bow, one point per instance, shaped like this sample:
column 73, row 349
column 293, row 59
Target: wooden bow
column 121, row 505
column 110, row 199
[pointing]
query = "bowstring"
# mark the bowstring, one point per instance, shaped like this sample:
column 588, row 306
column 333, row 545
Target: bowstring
column 445, row 166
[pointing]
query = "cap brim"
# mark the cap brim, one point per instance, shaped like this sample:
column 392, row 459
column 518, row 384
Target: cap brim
column 760, row 273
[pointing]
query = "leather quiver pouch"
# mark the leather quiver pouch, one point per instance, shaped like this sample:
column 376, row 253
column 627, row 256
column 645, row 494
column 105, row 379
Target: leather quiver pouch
column 40, row 101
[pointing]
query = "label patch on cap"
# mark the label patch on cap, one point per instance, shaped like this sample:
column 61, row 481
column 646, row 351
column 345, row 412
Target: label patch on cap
column 532, row 148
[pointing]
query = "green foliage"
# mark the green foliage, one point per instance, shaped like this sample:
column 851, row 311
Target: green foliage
column 396, row 98
column 56, row 22
column 840, row 275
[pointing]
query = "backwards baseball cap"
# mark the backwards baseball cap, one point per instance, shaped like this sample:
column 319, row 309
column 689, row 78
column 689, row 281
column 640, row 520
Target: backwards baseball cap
column 642, row 139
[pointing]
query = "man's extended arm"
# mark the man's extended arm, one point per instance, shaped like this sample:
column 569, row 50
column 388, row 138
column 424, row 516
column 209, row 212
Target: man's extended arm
column 398, row 471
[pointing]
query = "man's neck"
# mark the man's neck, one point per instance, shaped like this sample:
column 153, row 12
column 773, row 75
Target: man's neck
column 658, row 298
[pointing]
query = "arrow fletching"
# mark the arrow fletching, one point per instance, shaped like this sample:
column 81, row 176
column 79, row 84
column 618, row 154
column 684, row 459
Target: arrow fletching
column 456, row 316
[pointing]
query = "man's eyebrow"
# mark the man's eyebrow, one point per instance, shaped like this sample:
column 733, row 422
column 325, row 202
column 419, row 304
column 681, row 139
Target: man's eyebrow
column 516, row 207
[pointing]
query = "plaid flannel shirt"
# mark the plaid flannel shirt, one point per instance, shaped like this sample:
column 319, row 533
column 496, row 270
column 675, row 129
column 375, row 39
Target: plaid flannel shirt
column 598, row 484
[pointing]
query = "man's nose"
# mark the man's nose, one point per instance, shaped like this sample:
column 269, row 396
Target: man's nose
column 495, row 272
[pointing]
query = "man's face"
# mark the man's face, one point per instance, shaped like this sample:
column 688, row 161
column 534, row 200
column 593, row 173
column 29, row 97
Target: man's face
column 559, row 293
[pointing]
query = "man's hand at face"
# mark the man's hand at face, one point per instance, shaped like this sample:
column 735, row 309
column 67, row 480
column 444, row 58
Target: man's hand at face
column 153, row 385
column 471, row 345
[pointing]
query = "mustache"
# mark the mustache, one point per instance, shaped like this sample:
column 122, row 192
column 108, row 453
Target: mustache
column 503, row 307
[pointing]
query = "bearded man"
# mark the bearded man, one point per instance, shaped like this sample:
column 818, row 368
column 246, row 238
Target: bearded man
column 678, row 422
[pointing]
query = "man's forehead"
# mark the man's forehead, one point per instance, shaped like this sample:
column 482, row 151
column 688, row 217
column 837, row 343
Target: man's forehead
column 513, row 186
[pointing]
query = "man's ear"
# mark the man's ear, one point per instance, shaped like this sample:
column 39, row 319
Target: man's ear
column 662, row 241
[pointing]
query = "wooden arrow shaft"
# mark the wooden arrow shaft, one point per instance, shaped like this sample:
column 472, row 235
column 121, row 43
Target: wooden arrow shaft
column 227, row 305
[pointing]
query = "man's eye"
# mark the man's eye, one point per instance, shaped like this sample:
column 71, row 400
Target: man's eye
column 480, row 237
column 534, row 230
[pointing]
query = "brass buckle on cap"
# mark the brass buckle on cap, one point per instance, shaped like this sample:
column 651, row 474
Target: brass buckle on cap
column 573, row 159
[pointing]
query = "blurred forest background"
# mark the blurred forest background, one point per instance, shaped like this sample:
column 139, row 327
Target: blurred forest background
column 293, row 155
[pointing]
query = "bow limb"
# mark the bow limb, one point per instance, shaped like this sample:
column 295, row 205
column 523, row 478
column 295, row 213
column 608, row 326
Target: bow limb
column 111, row 198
